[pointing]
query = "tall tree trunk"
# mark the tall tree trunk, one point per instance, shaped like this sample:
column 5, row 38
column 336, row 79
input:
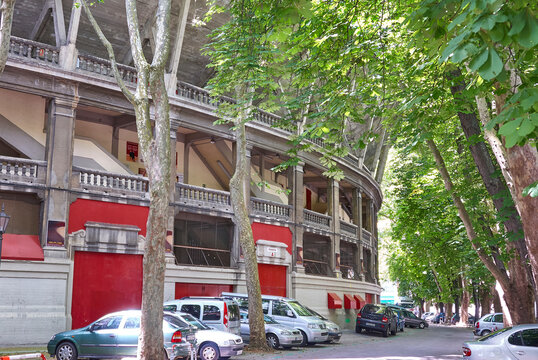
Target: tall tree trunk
column 239, row 183
column 6, row 19
column 465, row 299
column 497, row 306
column 520, row 308
column 486, row 298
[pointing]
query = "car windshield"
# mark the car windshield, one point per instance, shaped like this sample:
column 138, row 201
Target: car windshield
column 316, row 314
column 194, row 322
column 269, row 320
column 494, row 334
column 373, row 309
column 300, row 309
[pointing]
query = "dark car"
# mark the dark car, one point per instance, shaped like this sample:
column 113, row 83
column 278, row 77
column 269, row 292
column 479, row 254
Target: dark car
column 411, row 320
column 375, row 317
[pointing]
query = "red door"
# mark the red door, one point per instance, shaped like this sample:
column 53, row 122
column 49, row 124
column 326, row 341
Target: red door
column 272, row 279
column 104, row 283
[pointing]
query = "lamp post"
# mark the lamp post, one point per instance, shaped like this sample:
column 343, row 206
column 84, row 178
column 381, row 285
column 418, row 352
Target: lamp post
column 4, row 220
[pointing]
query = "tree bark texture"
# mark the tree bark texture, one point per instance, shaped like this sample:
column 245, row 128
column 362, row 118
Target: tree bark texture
column 6, row 19
column 486, row 297
column 465, row 300
column 520, row 308
column 238, row 184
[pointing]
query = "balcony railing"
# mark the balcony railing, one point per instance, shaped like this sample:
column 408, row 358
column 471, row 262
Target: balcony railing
column 25, row 170
column 317, row 220
column 366, row 237
column 203, row 197
column 270, row 208
column 103, row 67
column 33, row 50
column 350, row 229
column 105, row 181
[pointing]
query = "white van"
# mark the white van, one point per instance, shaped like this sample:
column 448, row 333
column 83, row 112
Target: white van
column 218, row 313
column 289, row 312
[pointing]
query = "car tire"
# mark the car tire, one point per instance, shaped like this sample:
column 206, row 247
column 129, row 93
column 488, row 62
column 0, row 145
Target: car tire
column 209, row 351
column 358, row 329
column 386, row 333
column 421, row 325
column 66, row 351
column 485, row 332
column 305, row 339
column 272, row 341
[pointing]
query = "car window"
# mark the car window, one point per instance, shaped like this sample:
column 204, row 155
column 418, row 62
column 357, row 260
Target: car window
column 498, row 318
column 265, row 306
column 280, row 308
column 530, row 337
column 299, row 309
column 488, row 318
column 373, row 309
column 410, row 315
column 269, row 320
column 170, row 308
column 233, row 312
column 211, row 312
column 194, row 310
column 112, row 322
column 194, row 322
column 132, row 323
column 515, row 339
column 175, row 321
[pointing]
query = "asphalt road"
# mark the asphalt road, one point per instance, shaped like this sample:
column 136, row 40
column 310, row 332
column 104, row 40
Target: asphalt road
column 433, row 343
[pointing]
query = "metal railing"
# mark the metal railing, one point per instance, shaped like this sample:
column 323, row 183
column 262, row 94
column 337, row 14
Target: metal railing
column 101, row 66
column 317, row 219
column 33, row 50
column 270, row 208
column 203, row 197
column 23, row 169
column 366, row 237
column 348, row 228
column 100, row 180
column 195, row 255
column 315, row 267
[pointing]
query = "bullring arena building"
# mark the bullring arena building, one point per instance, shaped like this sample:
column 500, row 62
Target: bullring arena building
column 73, row 182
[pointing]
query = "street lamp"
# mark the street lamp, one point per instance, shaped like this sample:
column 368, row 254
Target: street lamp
column 4, row 220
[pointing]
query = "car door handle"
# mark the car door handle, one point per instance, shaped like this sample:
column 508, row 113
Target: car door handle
column 520, row 352
column 112, row 335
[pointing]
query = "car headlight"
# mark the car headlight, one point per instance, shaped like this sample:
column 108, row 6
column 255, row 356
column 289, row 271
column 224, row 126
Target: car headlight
column 229, row 342
column 313, row 326
column 53, row 337
column 285, row 332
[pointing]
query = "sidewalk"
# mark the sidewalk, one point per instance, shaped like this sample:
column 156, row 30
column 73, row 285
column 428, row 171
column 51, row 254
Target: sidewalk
column 24, row 350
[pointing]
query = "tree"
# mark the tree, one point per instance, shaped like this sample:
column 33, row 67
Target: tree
column 6, row 18
column 154, row 138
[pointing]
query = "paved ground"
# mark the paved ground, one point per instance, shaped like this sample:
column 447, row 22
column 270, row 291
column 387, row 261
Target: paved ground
column 433, row 343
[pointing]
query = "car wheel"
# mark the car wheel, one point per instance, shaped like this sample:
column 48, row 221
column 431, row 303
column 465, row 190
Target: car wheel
column 386, row 333
column 66, row 351
column 272, row 341
column 209, row 351
column 422, row 325
column 305, row 339
column 485, row 332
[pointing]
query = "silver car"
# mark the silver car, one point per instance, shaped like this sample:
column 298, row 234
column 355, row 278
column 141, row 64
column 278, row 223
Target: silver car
column 276, row 334
column 488, row 324
column 512, row 343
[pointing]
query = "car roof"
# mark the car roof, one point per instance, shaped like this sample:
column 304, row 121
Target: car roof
column 267, row 297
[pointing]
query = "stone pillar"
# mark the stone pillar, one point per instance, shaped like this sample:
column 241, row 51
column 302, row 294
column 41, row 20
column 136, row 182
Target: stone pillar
column 246, row 188
column 68, row 51
column 357, row 220
column 333, row 202
column 170, row 258
column 59, row 155
column 296, row 200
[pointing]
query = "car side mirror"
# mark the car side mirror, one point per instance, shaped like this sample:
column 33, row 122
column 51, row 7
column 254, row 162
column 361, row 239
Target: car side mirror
column 91, row 328
column 290, row 314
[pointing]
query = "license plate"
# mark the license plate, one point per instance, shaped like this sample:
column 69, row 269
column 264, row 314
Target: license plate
column 239, row 352
column 191, row 337
column 370, row 324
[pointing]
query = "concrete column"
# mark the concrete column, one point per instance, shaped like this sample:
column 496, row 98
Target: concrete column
column 59, row 155
column 296, row 200
column 170, row 258
column 68, row 51
column 186, row 155
column 357, row 220
column 333, row 201
column 116, row 142
column 248, row 179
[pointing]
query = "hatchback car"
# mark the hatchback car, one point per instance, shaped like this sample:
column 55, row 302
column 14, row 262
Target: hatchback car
column 115, row 336
column 373, row 317
column 411, row 320
column 334, row 330
column 518, row 342
column 212, row 344
column 276, row 334
column 488, row 324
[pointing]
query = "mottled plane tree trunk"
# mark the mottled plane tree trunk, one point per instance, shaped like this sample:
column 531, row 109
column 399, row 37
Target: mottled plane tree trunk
column 154, row 138
column 6, row 18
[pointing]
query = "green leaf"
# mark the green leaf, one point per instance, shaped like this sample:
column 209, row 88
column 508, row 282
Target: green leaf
column 526, row 127
column 479, row 60
column 498, row 32
column 458, row 20
column 531, row 190
column 510, row 127
column 529, row 36
column 518, row 23
column 486, row 23
column 463, row 52
column 492, row 67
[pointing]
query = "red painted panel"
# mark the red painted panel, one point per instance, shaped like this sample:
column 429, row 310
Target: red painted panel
column 272, row 279
column 334, row 301
column 360, row 301
column 21, row 247
column 272, row 233
column 104, row 283
column 350, row 302
column 189, row 289
column 369, row 298
column 83, row 210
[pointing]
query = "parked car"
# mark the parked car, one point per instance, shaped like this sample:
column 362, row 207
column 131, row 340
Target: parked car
column 334, row 330
column 411, row 320
column 427, row 314
column 212, row 344
column 439, row 318
column 276, row 334
column 488, row 324
column 290, row 312
column 375, row 317
column 518, row 342
column 219, row 313
column 401, row 318
column 115, row 336
column 471, row 319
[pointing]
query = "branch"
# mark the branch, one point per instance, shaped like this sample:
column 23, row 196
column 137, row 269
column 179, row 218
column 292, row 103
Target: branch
column 134, row 35
column 162, row 46
column 128, row 94
column 6, row 18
